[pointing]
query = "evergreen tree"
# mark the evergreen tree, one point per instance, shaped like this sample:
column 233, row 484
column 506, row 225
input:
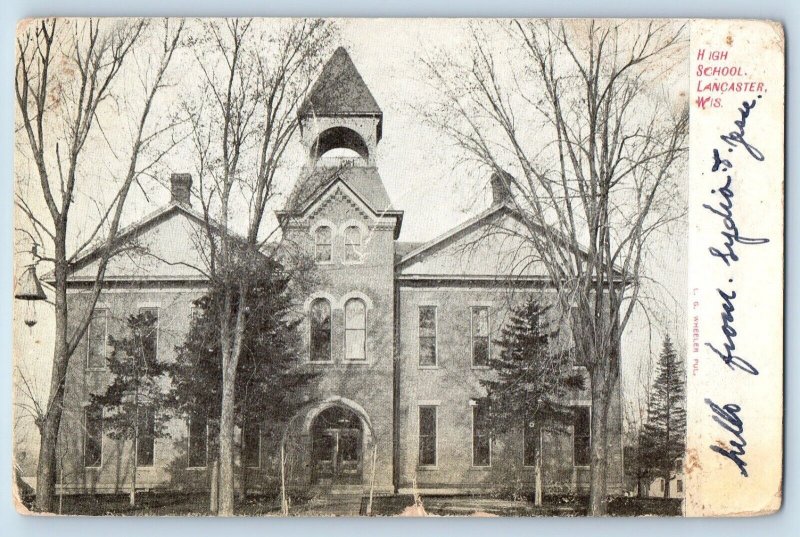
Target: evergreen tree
column 663, row 437
column 269, row 380
column 532, row 377
column 132, row 402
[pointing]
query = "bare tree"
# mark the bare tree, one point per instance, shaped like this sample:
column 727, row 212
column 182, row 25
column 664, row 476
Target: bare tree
column 67, row 82
column 574, row 117
column 255, row 75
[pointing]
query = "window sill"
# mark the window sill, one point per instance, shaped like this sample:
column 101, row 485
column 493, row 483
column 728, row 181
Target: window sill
column 429, row 367
column 355, row 362
column 480, row 468
column 426, row 468
column 197, row 467
column 323, row 262
column 480, row 367
column 350, row 263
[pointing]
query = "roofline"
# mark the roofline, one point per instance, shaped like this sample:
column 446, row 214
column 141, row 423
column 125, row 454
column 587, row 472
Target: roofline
column 392, row 213
column 510, row 279
column 131, row 229
column 451, row 232
column 497, row 207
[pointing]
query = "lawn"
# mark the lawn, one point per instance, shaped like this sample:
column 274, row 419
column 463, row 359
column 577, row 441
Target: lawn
column 196, row 504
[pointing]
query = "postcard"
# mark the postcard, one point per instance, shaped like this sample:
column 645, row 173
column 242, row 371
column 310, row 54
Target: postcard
column 398, row 267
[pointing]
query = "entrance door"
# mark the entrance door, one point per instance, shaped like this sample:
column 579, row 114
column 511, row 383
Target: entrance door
column 336, row 438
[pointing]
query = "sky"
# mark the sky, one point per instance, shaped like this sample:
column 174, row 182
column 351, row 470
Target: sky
column 418, row 167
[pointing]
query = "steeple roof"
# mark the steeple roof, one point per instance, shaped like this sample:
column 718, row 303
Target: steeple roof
column 340, row 90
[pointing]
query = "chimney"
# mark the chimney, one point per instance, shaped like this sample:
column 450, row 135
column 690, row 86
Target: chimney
column 501, row 187
column 181, row 187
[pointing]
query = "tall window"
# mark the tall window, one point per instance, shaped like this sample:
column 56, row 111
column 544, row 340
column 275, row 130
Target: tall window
column 93, row 436
column 198, row 440
column 320, row 330
column 427, row 335
column 355, row 329
column 427, row 436
column 150, row 338
column 145, row 444
column 481, row 436
column 581, row 436
column 480, row 336
column 251, row 445
column 352, row 244
column 97, row 339
column 530, row 443
column 322, row 244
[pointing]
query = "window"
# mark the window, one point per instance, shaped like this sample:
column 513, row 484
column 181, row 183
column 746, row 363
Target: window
column 322, row 244
column 320, row 330
column 251, row 445
column 93, row 437
column 427, row 335
column 352, row 244
column 198, row 440
column 481, row 436
column 480, row 336
column 355, row 329
column 145, row 444
column 97, row 339
column 581, row 436
column 150, row 337
column 679, row 485
column 530, row 443
column 427, row 436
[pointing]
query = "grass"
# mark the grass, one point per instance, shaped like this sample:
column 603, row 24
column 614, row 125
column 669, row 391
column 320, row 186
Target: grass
column 164, row 504
column 196, row 504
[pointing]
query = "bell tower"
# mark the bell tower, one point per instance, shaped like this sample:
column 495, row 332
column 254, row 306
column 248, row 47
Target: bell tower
column 340, row 121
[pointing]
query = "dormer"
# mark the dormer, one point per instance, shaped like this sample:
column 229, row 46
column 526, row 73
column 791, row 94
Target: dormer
column 340, row 121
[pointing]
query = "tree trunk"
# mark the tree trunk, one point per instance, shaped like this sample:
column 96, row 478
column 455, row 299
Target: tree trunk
column 372, row 476
column 213, row 487
column 133, row 472
column 226, row 443
column 51, row 423
column 537, row 493
column 284, row 499
column 666, row 485
column 599, row 445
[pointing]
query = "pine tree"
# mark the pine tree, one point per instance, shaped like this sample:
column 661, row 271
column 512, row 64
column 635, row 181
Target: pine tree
column 268, row 382
column 133, row 400
column 532, row 377
column 663, row 437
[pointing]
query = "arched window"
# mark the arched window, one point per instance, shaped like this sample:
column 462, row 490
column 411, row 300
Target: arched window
column 322, row 243
column 320, row 346
column 352, row 243
column 355, row 329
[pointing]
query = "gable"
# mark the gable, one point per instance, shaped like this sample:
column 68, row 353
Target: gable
column 340, row 204
column 491, row 245
column 166, row 247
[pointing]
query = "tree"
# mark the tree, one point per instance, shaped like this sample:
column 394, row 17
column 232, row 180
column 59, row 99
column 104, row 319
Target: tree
column 663, row 437
column 255, row 75
column 572, row 117
column 532, row 378
column 68, row 76
column 269, row 380
column 135, row 396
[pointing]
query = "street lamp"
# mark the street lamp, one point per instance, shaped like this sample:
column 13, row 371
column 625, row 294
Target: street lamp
column 29, row 289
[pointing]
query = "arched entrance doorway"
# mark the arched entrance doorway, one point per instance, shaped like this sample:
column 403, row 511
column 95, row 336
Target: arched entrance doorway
column 336, row 439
